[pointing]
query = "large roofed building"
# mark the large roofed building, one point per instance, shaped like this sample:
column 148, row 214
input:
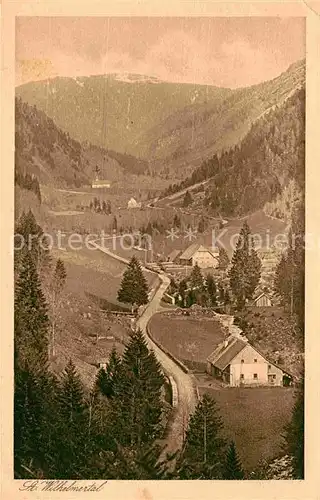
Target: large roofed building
column 204, row 256
column 238, row 363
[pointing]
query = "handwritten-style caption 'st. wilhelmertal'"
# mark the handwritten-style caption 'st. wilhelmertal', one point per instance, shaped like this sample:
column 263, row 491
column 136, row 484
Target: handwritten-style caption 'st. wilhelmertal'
column 46, row 485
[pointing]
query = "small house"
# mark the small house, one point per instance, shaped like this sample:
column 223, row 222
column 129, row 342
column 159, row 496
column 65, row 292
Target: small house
column 262, row 300
column 204, row 256
column 237, row 363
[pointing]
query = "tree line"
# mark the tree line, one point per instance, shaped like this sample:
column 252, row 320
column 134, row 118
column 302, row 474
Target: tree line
column 255, row 172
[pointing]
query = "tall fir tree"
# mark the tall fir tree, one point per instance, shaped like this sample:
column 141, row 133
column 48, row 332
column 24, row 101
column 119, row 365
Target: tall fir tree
column 29, row 238
column 134, row 287
column 73, row 452
column 295, row 433
column 202, row 453
column 107, row 378
column 245, row 271
column 223, row 258
column 56, row 286
column 31, row 320
column 196, row 278
column 232, row 467
column 137, row 400
column 211, row 290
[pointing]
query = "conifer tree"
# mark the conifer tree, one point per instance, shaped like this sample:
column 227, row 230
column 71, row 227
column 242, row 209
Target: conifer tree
column 211, row 290
column 202, row 453
column 232, row 467
column 107, row 378
column 134, row 288
column 295, row 433
column 245, row 272
column 196, row 278
column 223, row 258
column 73, row 421
column 137, row 402
column 187, row 200
column 29, row 237
column 31, row 319
column 55, row 290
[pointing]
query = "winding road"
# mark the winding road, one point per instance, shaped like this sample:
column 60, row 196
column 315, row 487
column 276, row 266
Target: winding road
column 187, row 398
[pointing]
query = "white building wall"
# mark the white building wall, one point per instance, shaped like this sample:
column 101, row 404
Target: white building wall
column 204, row 260
column 248, row 368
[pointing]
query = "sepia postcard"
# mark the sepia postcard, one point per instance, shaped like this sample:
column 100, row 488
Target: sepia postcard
column 160, row 250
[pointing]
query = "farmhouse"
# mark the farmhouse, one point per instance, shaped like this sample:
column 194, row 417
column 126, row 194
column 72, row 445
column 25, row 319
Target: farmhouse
column 132, row 203
column 199, row 254
column 237, row 363
column 100, row 184
column 262, row 300
column 173, row 256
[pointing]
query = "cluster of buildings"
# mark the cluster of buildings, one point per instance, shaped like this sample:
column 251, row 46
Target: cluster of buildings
column 196, row 253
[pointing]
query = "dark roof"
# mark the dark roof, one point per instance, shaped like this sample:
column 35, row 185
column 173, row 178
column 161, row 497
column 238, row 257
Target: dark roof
column 174, row 254
column 223, row 356
column 192, row 249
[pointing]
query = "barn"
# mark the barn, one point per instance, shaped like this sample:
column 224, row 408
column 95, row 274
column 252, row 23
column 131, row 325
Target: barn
column 199, row 254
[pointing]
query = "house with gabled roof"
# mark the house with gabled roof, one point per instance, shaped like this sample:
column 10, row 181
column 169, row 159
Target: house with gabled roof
column 237, row 363
column 204, row 256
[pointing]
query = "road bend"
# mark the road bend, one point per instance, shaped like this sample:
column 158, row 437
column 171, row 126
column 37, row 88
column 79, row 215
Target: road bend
column 187, row 398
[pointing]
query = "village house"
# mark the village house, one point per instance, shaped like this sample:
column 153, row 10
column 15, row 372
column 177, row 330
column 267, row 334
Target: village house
column 262, row 300
column 101, row 184
column 238, row 363
column 202, row 255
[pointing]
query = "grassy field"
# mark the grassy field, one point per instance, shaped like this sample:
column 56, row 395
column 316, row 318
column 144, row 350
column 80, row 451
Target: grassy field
column 93, row 278
column 255, row 419
column 95, row 273
column 190, row 340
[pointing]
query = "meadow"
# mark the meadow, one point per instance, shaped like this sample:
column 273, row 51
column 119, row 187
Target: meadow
column 188, row 339
column 255, row 419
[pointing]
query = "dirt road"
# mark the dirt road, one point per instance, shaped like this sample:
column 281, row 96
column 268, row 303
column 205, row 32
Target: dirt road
column 187, row 399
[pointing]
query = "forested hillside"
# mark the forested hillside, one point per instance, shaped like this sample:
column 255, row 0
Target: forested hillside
column 266, row 166
column 173, row 126
column 45, row 153
column 111, row 112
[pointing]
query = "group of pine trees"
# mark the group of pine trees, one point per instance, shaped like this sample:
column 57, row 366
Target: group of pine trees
column 27, row 181
column 100, row 207
column 200, row 290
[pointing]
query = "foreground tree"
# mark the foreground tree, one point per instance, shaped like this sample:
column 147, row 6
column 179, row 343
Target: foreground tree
column 245, row 271
column 137, row 403
column 223, row 258
column 31, row 320
column 55, row 293
column 196, row 278
column 295, row 433
column 232, row 467
column 134, row 288
column 211, row 290
column 202, row 453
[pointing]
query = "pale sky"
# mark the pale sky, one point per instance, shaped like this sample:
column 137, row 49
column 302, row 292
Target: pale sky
column 227, row 52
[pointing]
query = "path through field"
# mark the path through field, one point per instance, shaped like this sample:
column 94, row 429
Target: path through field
column 187, row 399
